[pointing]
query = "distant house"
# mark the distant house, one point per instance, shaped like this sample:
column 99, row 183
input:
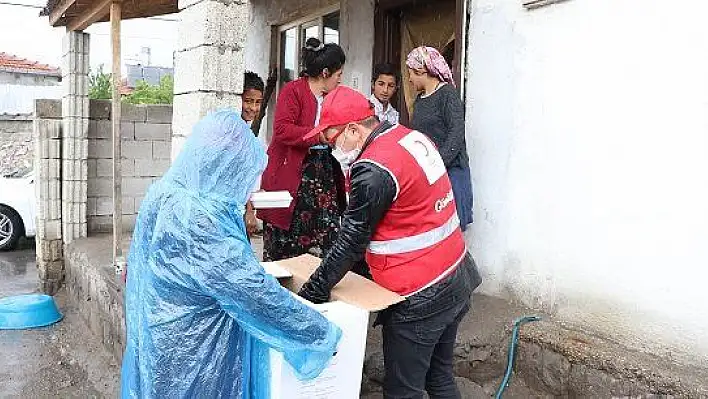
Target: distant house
column 150, row 74
column 22, row 81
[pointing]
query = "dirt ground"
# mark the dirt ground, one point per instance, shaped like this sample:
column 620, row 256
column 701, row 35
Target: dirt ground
column 62, row 360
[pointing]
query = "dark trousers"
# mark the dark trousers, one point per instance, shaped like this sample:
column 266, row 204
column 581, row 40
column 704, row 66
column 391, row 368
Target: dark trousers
column 419, row 338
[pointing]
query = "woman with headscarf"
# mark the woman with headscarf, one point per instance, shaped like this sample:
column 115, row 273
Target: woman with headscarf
column 438, row 112
column 201, row 312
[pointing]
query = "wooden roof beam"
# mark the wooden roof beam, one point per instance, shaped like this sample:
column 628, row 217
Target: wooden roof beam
column 96, row 12
column 58, row 12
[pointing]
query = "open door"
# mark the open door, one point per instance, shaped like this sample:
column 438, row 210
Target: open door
column 401, row 25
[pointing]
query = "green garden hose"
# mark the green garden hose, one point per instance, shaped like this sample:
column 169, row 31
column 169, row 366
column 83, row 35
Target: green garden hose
column 512, row 352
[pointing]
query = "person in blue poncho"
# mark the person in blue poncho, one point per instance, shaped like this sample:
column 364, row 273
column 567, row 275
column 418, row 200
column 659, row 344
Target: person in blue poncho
column 201, row 313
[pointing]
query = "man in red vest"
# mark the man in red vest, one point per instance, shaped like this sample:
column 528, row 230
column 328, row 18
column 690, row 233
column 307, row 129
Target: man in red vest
column 402, row 219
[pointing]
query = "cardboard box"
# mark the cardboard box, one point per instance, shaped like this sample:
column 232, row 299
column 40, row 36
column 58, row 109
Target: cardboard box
column 352, row 300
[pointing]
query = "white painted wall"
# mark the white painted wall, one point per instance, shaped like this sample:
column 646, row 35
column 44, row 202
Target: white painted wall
column 588, row 134
column 258, row 39
column 357, row 25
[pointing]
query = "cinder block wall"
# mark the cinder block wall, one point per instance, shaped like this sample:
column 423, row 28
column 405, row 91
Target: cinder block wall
column 47, row 184
column 146, row 144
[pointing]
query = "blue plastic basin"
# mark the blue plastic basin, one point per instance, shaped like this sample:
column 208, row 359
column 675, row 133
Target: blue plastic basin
column 28, row 311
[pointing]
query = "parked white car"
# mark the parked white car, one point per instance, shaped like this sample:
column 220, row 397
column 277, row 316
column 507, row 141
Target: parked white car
column 17, row 209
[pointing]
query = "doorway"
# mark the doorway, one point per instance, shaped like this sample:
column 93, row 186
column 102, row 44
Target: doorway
column 402, row 25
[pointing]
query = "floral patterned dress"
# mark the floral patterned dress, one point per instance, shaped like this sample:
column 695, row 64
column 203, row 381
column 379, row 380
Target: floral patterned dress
column 317, row 213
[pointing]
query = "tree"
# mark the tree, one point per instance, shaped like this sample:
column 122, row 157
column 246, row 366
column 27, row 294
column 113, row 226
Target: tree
column 145, row 93
column 100, row 87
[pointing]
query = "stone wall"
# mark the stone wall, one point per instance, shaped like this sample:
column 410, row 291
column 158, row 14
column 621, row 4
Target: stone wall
column 16, row 146
column 146, row 141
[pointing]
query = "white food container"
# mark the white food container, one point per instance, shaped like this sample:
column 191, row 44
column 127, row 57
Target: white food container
column 271, row 199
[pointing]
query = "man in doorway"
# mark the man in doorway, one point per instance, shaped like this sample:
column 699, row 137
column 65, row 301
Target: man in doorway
column 402, row 219
column 384, row 84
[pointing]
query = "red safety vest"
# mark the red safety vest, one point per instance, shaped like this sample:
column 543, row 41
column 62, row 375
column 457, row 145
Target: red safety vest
column 418, row 241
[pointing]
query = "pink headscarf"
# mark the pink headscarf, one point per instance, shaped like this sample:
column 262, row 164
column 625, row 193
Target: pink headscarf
column 431, row 60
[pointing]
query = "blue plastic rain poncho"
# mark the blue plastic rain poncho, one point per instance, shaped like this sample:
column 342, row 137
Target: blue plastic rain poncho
column 201, row 312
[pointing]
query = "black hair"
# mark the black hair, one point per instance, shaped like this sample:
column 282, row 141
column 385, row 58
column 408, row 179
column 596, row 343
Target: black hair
column 251, row 81
column 385, row 69
column 316, row 57
column 370, row 122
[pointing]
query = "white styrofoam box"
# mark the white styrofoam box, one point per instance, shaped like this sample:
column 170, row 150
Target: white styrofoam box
column 342, row 377
column 271, row 199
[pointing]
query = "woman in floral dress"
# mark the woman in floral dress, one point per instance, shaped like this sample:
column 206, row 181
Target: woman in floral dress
column 305, row 168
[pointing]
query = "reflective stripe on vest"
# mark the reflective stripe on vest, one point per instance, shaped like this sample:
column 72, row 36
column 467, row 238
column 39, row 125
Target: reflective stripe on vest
column 416, row 242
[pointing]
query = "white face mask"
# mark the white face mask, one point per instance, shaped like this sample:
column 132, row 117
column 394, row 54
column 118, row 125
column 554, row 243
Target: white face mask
column 345, row 158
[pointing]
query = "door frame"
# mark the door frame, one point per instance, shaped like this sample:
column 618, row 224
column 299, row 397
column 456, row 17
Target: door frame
column 387, row 40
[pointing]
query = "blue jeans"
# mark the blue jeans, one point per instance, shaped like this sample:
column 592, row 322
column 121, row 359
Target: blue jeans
column 419, row 337
column 462, row 190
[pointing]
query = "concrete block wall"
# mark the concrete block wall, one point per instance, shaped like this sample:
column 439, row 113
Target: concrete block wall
column 94, row 290
column 75, row 121
column 47, row 141
column 16, row 143
column 209, row 62
column 146, row 133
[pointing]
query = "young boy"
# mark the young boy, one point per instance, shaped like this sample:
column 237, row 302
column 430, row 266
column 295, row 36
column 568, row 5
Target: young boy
column 384, row 84
column 252, row 97
column 251, row 101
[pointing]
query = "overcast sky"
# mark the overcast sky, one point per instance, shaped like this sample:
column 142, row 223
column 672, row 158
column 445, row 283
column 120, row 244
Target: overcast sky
column 25, row 34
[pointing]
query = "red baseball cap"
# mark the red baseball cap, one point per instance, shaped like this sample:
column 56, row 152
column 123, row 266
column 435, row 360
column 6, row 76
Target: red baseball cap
column 341, row 106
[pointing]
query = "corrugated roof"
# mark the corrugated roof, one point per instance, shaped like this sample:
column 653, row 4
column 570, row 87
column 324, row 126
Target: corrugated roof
column 11, row 63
